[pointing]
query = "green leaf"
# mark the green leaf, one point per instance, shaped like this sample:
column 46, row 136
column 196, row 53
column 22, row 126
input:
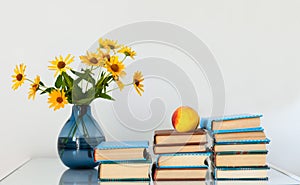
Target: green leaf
column 105, row 96
column 58, row 82
column 68, row 80
column 84, row 101
column 41, row 83
column 69, row 96
column 48, row 90
column 86, row 75
column 90, row 93
column 77, row 93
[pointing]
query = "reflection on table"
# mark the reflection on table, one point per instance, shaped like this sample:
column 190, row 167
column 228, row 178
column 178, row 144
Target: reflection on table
column 79, row 177
column 89, row 177
column 49, row 171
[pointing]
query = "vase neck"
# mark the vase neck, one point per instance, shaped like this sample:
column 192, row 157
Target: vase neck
column 81, row 110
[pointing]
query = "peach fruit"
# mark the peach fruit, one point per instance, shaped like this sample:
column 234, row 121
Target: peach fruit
column 185, row 119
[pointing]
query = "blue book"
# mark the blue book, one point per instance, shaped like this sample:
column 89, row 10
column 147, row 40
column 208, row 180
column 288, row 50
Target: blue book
column 183, row 160
column 231, row 122
column 122, row 144
column 239, row 135
column 241, row 173
column 121, row 151
column 131, row 170
column 244, row 142
column 255, row 129
column 241, row 145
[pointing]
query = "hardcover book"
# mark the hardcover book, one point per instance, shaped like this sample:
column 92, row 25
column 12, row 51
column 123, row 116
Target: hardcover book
column 183, row 160
column 172, row 137
column 240, row 159
column 124, row 183
column 241, row 182
column 241, row 145
column 179, row 174
column 134, row 170
column 168, row 149
column 231, row 122
column 241, row 173
column 199, row 182
column 118, row 151
column 237, row 136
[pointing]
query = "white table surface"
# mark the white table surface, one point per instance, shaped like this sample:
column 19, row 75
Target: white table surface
column 50, row 171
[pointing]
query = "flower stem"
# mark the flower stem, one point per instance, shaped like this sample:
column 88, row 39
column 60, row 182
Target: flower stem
column 87, row 83
column 29, row 80
column 118, row 88
column 124, row 58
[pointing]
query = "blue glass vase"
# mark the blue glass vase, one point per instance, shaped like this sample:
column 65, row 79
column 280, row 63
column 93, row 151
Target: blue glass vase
column 78, row 137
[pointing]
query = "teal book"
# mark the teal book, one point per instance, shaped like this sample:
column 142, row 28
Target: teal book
column 132, row 170
column 231, row 122
column 242, row 135
column 121, row 151
column 183, row 160
column 241, row 173
column 122, row 144
column 241, row 145
column 237, row 142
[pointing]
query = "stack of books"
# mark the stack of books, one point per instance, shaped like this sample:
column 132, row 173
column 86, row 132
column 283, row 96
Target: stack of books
column 239, row 147
column 123, row 161
column 181, row 156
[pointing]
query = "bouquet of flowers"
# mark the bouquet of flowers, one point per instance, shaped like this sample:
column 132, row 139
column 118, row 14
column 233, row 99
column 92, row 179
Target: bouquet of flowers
column 103, row 67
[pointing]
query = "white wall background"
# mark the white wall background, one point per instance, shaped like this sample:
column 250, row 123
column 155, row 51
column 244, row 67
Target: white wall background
column 255, row 42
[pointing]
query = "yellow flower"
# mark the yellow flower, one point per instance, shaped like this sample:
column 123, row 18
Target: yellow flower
column 60, row 64
column 34, row 87
column 102, row 43
column 115, row 67
column 120, row 84
column 108, row 44
column 19, row 76
column 137, row 79
column 127, row 51
column 92, row 59
column 105, row 55
column 57, row 99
